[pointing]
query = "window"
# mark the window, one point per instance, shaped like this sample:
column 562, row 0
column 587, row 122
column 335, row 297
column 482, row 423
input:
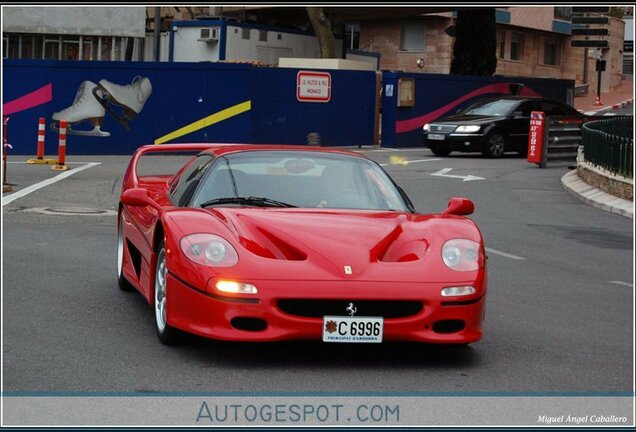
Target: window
column 516, row 46
column 551, row 52
column 245, row 33
column 52, row 48
column 551, row 108
column 413, row 37
column 502, row 44
column 563, row 13
column 70, row 49
column 262, row 35
column 188, row 181
column 352, row 36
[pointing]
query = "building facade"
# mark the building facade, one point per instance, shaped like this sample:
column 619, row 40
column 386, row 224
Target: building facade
column 531, row 42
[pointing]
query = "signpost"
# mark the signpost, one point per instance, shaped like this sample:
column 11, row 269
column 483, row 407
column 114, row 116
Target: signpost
column 579, row 16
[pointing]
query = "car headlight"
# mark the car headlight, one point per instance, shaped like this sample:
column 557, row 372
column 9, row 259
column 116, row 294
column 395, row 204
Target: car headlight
column 467, row 128
column 232, row 287
column 425, row 127
column 209, row 250
column 462, row 255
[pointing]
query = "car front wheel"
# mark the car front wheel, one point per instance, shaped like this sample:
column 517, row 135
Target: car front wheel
column 494, row 145
column 440, row 151
column 167, row 335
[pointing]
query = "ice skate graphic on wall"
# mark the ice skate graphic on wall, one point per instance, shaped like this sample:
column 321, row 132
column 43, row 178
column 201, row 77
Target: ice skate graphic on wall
column 131, row 98
column 84, row 107
column 92, row 101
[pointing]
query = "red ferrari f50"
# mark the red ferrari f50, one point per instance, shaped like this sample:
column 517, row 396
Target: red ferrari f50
column 270, row 243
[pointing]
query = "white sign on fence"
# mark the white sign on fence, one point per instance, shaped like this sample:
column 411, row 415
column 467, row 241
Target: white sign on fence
column 313, row 86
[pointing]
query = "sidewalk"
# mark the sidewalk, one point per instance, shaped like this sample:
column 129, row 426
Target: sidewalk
column 591, row 195
column 595, row 197
column 613, row 100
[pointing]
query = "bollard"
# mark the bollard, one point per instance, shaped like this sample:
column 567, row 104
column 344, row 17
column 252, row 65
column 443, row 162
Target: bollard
column 6, row 187
column 39, row 158
column 61, row 150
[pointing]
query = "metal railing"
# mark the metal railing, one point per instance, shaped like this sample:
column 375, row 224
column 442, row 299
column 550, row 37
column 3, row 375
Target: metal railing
column 608, row 144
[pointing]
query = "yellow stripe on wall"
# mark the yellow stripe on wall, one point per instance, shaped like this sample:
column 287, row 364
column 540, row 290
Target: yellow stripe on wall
column 207, row 121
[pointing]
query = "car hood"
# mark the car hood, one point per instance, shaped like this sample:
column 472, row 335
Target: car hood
column 319, row 244
column 468, row 119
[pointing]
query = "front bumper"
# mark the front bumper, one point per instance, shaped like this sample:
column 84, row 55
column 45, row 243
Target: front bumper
column 195, row 311
column 467, row 142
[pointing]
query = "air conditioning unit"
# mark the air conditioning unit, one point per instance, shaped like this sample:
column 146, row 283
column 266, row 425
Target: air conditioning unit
column 209, row 34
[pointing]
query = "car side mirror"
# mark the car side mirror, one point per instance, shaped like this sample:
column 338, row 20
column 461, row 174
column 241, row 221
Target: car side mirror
column 518, row 114
column 138, row 197
column 459, row 207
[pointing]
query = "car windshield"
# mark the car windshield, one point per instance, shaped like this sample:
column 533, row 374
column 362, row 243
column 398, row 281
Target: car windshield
column 497, row 107
column 305, row 179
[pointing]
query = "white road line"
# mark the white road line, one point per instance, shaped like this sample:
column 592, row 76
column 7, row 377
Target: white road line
column 409, row 162
column 67, row 163
column 622, row 283
column 21, row 193
column 504, row 254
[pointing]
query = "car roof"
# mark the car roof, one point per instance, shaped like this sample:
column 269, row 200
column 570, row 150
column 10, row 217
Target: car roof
column 224, row 149
column 520, row 98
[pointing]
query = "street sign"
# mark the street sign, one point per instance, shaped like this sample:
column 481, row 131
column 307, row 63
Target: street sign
column 589, row 44
column 590, row 9
column 590, row 32
column 590, row 20
column 313, row 86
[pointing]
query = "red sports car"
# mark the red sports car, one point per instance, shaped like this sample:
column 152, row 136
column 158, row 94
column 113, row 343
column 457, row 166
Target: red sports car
column 270, row 243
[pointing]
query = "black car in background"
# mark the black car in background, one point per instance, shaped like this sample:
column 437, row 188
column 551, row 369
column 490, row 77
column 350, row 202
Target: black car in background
column 491, row 126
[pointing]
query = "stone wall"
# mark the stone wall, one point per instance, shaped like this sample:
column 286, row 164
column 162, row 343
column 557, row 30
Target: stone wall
column 615, row 185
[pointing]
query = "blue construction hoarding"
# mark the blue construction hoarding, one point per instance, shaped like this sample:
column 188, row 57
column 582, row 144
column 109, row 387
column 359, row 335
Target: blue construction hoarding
column 431, row 96
column 231, row 102
column 182, row 102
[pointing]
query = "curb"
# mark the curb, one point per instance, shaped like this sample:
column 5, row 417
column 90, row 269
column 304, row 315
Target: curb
column 611, row 107
column 595, row 197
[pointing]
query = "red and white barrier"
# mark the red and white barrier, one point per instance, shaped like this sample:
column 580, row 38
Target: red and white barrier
column 41, row 130
column 61, row 149
column 39, row 158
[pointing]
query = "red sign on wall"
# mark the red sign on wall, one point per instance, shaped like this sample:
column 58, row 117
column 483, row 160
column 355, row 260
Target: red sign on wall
column 535, row 137
column 313, row 86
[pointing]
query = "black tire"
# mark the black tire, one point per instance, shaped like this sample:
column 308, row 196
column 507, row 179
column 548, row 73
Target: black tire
column 167, row 334
column 494, row 145
column 123, row 283
column 440, row 151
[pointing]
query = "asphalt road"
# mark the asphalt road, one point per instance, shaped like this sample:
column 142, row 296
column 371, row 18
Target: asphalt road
column 559, row 313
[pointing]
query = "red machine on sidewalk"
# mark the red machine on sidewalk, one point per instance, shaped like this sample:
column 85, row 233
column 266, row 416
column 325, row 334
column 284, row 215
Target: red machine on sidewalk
column 535, row 137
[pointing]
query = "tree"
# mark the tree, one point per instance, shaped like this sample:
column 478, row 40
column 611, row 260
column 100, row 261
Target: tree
column 474, row 51
column 322, row 28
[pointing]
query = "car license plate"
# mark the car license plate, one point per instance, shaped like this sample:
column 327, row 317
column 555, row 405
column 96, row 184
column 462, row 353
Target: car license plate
column 352, row 329
column 437, row 137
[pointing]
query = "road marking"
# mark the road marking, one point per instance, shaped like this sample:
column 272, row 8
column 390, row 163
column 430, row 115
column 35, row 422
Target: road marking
column 24, row 192
column 67, row 163
column 622, row 283
column 444, row 173
column 504, row 254
column 399, row 161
